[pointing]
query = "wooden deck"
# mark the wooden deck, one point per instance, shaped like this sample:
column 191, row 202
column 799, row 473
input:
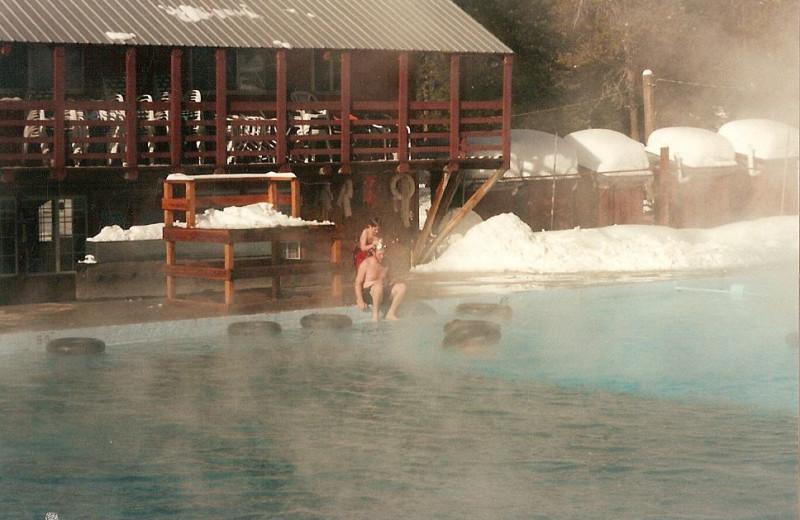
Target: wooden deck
column 188, row 194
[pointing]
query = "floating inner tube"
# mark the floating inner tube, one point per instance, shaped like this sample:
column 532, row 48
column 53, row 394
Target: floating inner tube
column 470, row 334
column 325, row 321
column 76, row 346
column 254, row 328
column 499, row 310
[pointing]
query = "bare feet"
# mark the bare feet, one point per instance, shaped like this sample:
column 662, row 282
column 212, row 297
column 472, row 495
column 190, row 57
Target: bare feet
column 375, row 318
column 391, row 317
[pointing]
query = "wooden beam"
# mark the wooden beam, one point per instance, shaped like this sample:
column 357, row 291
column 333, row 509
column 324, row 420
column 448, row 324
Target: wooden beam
column 221, row 108
column 458, row 217
column 432, row 212
column 281, row 111
column 59, row 164
column 346, row 108
column 455, row 106
column 508, row 64
column 175, row 117
column 402, row 109
column 131, row 117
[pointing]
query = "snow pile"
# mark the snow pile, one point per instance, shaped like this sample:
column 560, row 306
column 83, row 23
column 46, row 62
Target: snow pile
column 506, row 244
column 533, row 154
column 606, row 151
column 693, row 147
column 766, row 138
column 259, row 215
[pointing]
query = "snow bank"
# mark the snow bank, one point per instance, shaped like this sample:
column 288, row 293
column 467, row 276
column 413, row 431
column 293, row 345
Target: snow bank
column 767, row 139
column 694, row 147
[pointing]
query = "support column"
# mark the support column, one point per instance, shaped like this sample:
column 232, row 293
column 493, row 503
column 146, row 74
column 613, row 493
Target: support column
column 402, row 112
column 221, row 109
column 508, row 64
column 346, row 108
column 175, row 116
column 131, row 119
column 59, row 164
column 281, row 112
column 455, row 106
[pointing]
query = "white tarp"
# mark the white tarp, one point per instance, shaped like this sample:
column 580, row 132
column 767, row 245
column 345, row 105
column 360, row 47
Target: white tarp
column 533, row 154
column 693, row 147
column 608, row 151
column 767, row 139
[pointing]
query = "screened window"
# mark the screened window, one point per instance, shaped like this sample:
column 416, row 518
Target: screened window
column 254, row 70
column 40, row 68
column 8, row 237
column 327, row 71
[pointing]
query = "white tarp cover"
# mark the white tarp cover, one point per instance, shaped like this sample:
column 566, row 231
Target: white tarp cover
column 533, row 154
column 695, row 147
column 766, row 138
column 607, row 151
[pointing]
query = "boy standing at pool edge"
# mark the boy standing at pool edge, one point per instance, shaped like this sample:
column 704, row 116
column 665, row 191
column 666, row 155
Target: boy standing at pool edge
column 373, row 284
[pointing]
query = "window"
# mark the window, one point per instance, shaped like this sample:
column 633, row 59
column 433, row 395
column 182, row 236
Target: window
column 254, row 70
column 8, row 237
column 13, row 67
column 40, row 68
column 327, row 71
column 201, row 70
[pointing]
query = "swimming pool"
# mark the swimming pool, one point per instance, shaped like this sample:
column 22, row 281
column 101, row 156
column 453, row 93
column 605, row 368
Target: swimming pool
column 654, row 400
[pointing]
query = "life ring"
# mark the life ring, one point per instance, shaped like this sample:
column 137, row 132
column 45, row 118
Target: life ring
column 325, row 321
column 254, row 328
column 76, row 346
column 470, row 334
column 404, row 190
column 403, row 186
column 499, row 310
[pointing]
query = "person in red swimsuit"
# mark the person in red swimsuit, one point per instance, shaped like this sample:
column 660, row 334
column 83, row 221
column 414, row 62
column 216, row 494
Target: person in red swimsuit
column 369, row 236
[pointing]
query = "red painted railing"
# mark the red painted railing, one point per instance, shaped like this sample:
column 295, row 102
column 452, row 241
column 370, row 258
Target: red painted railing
column 100, row 134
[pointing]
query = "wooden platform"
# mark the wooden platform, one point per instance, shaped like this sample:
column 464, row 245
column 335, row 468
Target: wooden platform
column 187, row 194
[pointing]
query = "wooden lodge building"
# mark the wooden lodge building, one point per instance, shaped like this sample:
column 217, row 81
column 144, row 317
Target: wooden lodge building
column 100, row 101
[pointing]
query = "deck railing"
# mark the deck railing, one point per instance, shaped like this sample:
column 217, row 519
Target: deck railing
column 105, row 134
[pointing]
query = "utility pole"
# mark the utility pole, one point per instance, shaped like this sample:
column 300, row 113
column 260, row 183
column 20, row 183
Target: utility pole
column 648, row 96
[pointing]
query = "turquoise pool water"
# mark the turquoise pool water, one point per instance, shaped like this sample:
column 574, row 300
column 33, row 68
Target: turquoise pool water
column 655, row 400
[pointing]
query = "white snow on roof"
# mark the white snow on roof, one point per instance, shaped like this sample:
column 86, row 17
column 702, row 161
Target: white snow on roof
column 694, row 147
column 605, row 151
column 766, row 138
column 533, row 154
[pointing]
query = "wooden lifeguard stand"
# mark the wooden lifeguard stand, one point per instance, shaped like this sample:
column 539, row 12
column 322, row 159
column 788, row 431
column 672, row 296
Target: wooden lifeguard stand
column 186, row 194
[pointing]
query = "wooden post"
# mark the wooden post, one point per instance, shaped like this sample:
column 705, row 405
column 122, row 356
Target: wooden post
column 432, row 212
column 275, row 251
column 508, row 62
column 229, row 292
column 458, row 217
column 131, row 117
column 295, row 187
column 336, row 260
column 175, row 116
column 346, row 108
column 191, row 208
column 455, row 106
column 648, row 92
column 662, row 195
column 281, row 112
column 221, row 109
column 169, row 219
column 59, row 163
column 402, row 110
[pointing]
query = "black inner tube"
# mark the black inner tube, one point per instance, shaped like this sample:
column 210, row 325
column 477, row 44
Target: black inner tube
column 325, row 321
column 76, row 346
column 254, row 328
